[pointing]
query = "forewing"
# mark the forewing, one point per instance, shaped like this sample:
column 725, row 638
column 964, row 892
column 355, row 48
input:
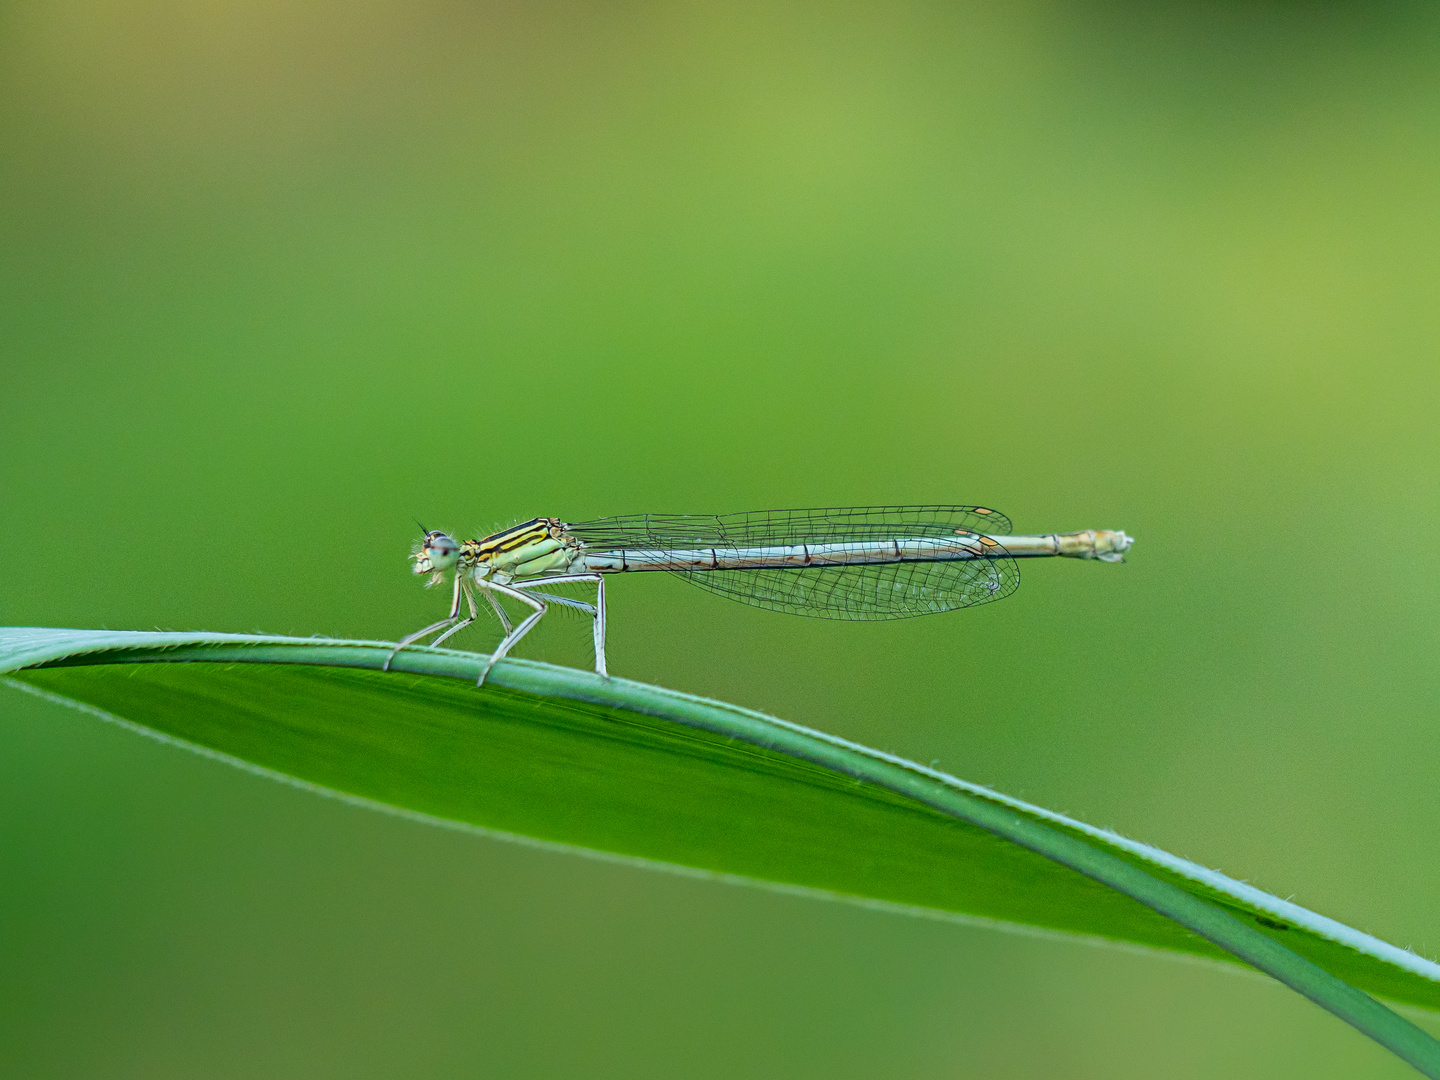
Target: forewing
column 653, row 532
column 857, row 592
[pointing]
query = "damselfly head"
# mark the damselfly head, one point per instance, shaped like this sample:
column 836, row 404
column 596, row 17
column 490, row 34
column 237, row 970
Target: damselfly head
column 437, row 554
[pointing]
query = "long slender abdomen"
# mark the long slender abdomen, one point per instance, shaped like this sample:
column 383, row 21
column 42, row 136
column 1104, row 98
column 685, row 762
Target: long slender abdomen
column 1090, row 544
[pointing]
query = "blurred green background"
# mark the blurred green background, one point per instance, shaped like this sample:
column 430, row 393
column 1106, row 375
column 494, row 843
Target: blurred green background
column 277, row 279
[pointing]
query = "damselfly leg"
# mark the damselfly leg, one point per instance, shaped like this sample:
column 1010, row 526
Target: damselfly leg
column 520, row 591
column 474, row 614
column 453, row 617
column 598, row 610
column 464, row 587
column 499, row 611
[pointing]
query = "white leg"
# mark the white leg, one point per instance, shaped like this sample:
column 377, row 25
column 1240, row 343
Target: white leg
column 600, row 627
column 598, row 611
column 500, row 611
column 558, row 579
column 454, row 616
column 474, row 614
column 565, row 601
column 515, row 635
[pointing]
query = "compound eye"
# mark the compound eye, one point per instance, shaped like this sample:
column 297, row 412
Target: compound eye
column 441, row 551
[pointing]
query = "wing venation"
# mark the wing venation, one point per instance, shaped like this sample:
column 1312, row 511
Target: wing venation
column 856, row 592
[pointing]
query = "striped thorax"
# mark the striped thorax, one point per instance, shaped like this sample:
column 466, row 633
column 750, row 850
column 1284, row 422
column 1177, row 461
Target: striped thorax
column 531, row 549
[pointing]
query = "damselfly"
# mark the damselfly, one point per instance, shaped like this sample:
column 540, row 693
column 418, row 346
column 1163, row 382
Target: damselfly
column 873, row 562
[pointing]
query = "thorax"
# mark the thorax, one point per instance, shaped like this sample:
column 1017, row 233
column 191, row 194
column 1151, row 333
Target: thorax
column 531, row 549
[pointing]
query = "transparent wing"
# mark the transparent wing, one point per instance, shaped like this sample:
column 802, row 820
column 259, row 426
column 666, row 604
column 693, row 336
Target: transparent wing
column 859, row 592
column 762, row 527
column 862, row 593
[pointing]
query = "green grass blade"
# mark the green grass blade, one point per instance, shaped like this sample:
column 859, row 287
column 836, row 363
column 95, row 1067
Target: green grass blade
column 615, row 766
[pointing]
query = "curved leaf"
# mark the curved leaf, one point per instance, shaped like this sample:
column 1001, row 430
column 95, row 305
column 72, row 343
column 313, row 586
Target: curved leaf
column 615, row 766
